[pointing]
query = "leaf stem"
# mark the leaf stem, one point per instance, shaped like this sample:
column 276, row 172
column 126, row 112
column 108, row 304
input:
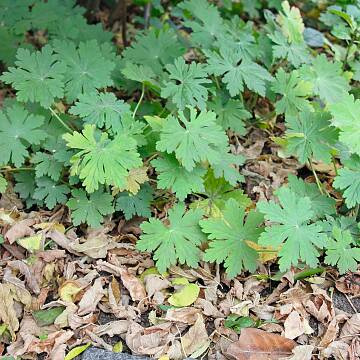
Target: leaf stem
column 68, row 128
column 140, row 100
column 8, row 169
column 318, row 183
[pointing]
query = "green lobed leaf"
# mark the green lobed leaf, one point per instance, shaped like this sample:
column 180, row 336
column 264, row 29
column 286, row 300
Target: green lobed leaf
column 176, row 242
column 229, row 235
column 91, row 208
column 291, row 228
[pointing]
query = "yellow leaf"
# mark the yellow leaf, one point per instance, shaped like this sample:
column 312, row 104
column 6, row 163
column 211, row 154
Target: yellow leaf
column 118, row 347
column 180, row 281
column 135, row 178
column 76, row 351
column 164, row 357
column 51, row 226
column 68, row 290
column 31, row 243
column 185, row 296
column 150, row 271
column 266, row 253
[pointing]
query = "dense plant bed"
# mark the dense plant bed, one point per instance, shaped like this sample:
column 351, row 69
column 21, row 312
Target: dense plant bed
column 224, row 139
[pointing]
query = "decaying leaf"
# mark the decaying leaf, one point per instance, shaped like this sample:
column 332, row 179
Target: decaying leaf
column 255, row 344
column 91, row 298
column 95, row 247
column 32, row 243
column 20, row 230
column 7, row 311
column 295, row 326
column 68, row 290
column 133, row 284
column 196, row 338
column 186, row 315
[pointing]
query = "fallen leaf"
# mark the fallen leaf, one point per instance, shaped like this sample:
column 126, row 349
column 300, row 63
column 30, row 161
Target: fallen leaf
column 186, row 296
column 7, row 310
column 154, row 283
column 76, row 351
column 295, row 326
column 302, row 352
column 63, row 241
column 68, row 290
column 153, row 340
column 118, row 347
column 339, row 350
column 24, row 269
column 196, row 338
column 91, row 298
column 20, row 230
column 31, row 243
column 48, row 316
column 266, row 253
column 186, row 315
column 96, row 247
column 133, row 284
column 350, row 329
column 112, row 328
column 255, row 344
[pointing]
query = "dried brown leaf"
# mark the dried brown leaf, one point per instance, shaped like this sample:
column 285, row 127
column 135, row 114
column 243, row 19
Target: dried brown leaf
column 295, row 326
column 255, row 344
column 302, row 352
column 186, row 315
column 91, row 298
column 7, row 311
column 96, row 247
column 350, row 329
column 20, row 230
column 24, row 269
column 196, row 338
column 133, row 284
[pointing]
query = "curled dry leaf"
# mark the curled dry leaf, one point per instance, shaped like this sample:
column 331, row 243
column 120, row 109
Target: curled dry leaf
column 255, row 344
column 24, row 269
column 63, row 241
column 96, row 247
column 295, row 326
column 149, row 341
column 350, row 329
column 302, row 352
column 112, row 328
column 7, row 311
column 20, row 230
column 155, row 283
column 339, row 350
column 91, row 298
column 133, row 284
column 196, row 338
column 186, row 315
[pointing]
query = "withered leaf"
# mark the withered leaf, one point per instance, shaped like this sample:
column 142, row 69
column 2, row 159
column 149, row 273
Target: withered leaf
column 255, row 344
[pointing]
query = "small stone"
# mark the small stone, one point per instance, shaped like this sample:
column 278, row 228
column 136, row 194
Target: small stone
column 93, row 353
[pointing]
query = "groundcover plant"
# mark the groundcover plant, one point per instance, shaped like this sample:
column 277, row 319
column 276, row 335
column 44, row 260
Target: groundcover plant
column 156, row 129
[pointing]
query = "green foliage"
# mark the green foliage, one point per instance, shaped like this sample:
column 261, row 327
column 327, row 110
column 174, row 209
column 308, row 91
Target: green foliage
column 101, row 109
column 171, row 175
column 310, row 136
column 294, row 91
column 327, row 79
column 229, row 235
column 346, row 118
column 138, row 204
column 37, row 77
column 91, row 208
column 89, row 124
column 292, row 229
column 339, row 251
column 237, row 71
column 196, row 139
column 187, row 85
column 178, row 241
column 348, row 180
column 321, row 204
column 101, row 160
column 18, row 130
